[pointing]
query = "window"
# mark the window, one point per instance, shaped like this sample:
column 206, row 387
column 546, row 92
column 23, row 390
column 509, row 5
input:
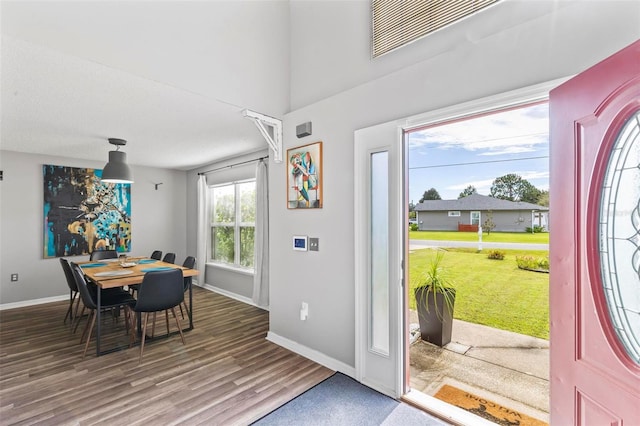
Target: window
column 233, row 219
column 454, row 214
column 396, row 23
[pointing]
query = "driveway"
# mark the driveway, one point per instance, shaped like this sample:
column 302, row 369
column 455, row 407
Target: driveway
column 421, row 244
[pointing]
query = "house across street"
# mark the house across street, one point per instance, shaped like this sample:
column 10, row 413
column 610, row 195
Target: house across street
column 467, row 213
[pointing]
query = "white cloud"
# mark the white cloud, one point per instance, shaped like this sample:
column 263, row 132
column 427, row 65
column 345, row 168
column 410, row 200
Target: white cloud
column 515, row 131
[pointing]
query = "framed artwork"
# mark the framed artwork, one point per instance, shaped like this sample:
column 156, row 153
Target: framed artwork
column 304, row 177
column 83, row 214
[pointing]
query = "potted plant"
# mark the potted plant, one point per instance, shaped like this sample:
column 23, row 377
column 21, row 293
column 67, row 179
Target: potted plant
column 435, row 297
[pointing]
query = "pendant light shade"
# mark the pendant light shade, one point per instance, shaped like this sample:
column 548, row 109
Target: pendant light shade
column 117, row 170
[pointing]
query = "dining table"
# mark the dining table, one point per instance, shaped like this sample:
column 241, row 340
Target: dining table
column 119, row 272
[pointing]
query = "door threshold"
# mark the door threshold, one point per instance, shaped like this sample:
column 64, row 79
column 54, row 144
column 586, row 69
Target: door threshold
column 447, row 412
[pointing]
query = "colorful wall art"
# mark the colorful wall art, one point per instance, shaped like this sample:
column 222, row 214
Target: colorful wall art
column 82, row 214
column 304, row 177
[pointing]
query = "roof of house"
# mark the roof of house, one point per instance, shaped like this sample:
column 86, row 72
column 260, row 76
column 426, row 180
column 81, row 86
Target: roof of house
column 477, row 202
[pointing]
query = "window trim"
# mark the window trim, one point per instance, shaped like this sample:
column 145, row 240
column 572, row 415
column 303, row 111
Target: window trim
column 453, row 213
column 237, row 225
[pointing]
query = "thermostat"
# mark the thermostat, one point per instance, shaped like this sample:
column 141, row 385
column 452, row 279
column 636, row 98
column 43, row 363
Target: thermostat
column 300, row 243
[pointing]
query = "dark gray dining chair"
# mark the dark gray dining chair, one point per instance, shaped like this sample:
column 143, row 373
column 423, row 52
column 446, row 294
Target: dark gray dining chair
column 160, row 291
column 73, row 290
column 169, row 258
column 157, row 255
column 189, row 262
column 103, row 254
column 110, row 301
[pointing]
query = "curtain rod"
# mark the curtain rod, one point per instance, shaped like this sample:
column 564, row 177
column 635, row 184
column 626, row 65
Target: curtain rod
column 233, row 165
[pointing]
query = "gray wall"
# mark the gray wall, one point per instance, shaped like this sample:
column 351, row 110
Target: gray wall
column 364, row 92
column 157, row 222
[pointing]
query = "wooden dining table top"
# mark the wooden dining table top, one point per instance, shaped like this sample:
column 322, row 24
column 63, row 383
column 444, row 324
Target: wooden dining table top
column 109, row 273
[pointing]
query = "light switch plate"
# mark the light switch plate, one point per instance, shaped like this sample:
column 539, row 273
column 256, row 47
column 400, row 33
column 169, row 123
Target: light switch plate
column 314, row 244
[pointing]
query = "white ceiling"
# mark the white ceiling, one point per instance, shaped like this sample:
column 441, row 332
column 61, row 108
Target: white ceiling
column 169, row 77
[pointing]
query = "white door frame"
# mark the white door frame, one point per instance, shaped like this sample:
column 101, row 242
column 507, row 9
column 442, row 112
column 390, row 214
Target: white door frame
column 527, row 95
column 379, row 369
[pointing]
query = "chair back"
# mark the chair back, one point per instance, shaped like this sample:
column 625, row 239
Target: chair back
column 160, row 290
column 157, row 254
column 68, row 274
column 85, row 294
column 103, row 254
column 189, row 262
column 169, row 258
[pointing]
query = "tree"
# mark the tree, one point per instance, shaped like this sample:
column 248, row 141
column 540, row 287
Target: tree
column 430, row 194
column 469, row 190
column 529, row 193
column 543, row 198
column 513, row 188
column 488, row 224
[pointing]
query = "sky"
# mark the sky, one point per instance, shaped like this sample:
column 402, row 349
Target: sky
column 500, row 143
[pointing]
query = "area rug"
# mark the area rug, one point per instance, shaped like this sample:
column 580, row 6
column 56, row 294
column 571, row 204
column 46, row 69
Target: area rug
column 485, row 408
column 340, row 400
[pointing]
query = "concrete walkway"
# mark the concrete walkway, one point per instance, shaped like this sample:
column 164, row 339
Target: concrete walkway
column 507, row 368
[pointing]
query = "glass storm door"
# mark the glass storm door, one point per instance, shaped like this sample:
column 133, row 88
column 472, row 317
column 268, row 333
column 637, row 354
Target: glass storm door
column 378, row 256
column 595, row 244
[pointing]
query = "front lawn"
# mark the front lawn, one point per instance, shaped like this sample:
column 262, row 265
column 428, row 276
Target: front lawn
column 495, row 293
column 494, row 237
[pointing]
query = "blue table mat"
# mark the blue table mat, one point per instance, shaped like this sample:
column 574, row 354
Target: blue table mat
column 143, row 261
column 92, row 265
column 157, row 268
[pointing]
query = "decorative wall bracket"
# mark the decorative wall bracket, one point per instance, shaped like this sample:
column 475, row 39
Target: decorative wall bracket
column 271, row 130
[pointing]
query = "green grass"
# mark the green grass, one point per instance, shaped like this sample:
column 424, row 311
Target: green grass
column 495, row 237
column 492, row 292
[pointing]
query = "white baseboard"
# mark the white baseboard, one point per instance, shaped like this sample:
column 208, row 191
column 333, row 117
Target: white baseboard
column 32, row 302
column 312, row 354
column 231, row 295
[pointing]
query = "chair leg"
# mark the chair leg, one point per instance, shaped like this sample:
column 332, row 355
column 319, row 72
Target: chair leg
column 153, row 326
column 93, row 321
column 77, row 305
column 173, row 310
column 69, row 313
column 166, row 315
column 78, row 318
column 132, row 326
column 86, row 327
column 144, row 332
column 186, row 308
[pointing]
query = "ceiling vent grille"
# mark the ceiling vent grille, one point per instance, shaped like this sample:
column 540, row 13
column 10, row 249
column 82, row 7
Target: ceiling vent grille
column 398, row 22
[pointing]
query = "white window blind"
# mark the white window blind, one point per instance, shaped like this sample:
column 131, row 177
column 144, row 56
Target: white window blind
column 398, row 22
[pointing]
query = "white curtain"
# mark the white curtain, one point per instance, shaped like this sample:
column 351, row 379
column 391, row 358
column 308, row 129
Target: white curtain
column 261, row 247
column 203, row 224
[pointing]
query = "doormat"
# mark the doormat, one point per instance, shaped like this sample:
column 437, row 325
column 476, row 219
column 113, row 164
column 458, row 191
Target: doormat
column 485, row 408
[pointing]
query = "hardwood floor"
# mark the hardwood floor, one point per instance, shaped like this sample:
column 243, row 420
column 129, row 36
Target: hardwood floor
column 226, row 374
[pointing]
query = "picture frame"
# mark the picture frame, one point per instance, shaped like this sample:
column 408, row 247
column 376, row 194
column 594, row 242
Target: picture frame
column 83, row 214
column 304, row 176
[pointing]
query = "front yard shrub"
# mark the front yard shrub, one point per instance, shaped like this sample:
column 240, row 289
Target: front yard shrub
column 533, row 263
column 413, row 227
column 496, row 254
column 536, row 229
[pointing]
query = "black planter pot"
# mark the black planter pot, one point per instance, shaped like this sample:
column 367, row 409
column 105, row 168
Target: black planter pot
column 435, row 316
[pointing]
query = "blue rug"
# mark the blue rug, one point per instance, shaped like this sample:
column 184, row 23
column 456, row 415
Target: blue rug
column 342, row 401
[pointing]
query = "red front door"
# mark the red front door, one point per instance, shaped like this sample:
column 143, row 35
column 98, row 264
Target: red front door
column 595, row 244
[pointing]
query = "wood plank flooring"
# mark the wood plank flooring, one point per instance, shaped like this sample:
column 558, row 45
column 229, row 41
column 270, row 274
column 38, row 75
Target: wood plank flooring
column 226, row 374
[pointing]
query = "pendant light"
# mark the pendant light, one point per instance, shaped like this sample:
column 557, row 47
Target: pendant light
column 117, row 170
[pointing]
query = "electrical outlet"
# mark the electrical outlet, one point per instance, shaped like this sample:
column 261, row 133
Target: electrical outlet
column 314, row 244
column 14, row 277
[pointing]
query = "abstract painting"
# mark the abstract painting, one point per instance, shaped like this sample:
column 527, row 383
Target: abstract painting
column 304, row 177
column 83, row 214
